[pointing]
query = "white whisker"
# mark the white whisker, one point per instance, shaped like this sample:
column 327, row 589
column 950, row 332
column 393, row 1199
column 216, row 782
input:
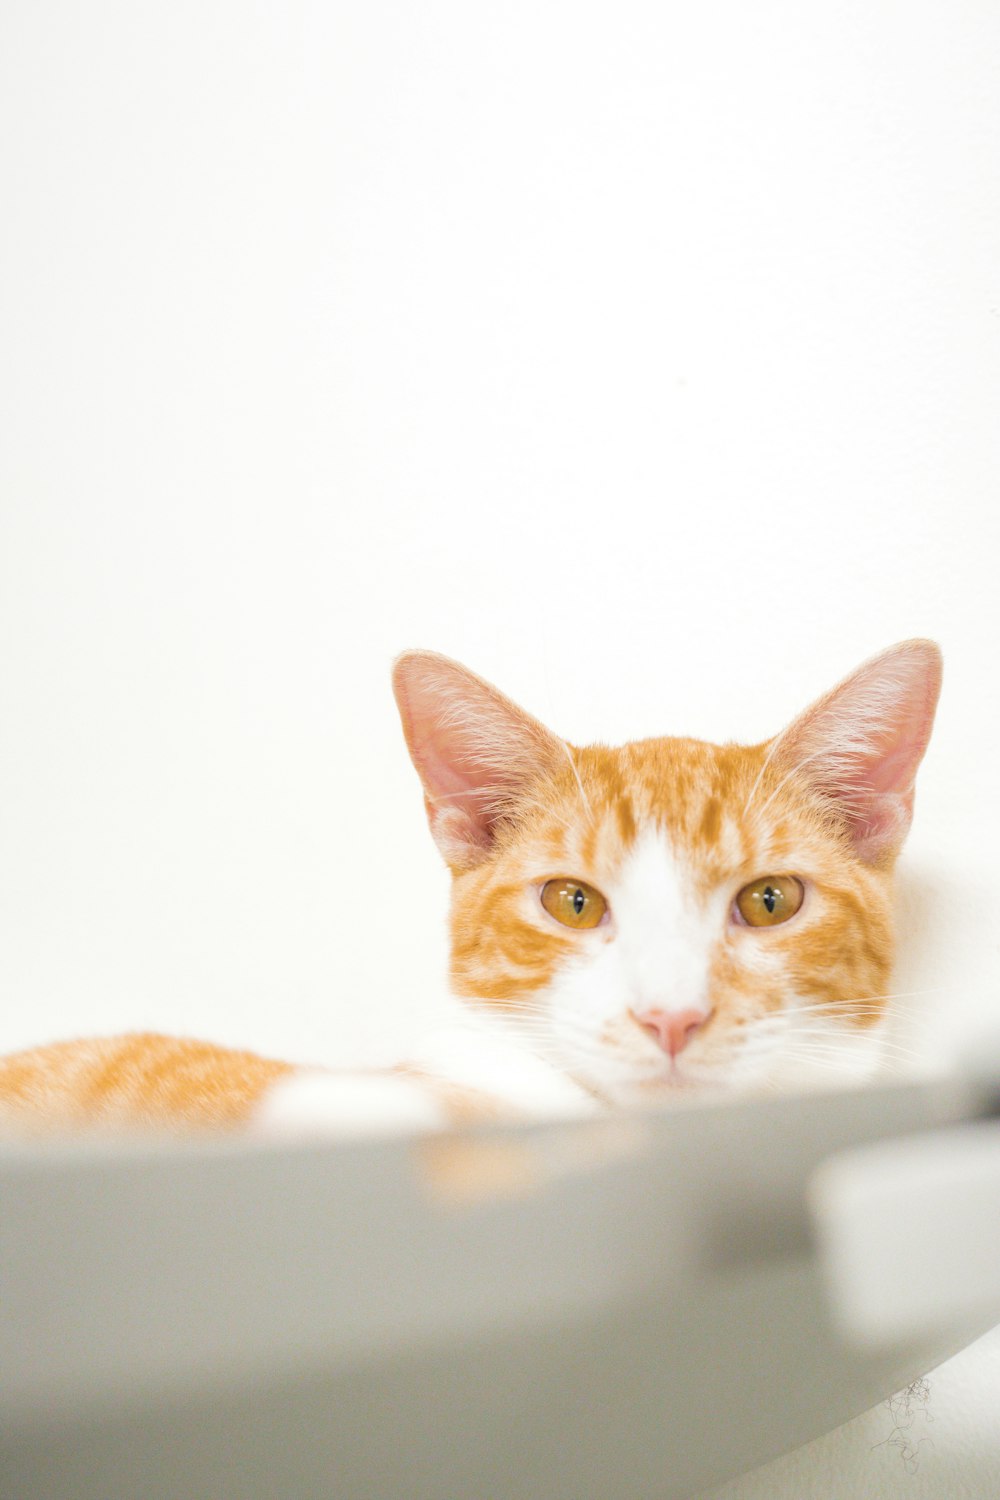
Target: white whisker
column 572, row 765
column 760, row 774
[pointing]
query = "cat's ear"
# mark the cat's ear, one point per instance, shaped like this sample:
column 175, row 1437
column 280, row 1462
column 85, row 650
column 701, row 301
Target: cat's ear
column 475, row 751
column 861, row 744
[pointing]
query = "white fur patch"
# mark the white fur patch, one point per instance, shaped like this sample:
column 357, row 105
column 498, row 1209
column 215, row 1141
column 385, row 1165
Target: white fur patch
column 349, row 1105
column 476, row 1052
column 656, row 956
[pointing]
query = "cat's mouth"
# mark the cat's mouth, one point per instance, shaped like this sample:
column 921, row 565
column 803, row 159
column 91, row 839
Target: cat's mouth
column 643, row 1082
column 669, row 1080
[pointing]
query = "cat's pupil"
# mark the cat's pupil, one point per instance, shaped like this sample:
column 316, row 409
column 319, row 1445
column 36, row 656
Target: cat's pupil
column 579, row 901
column 770, row 898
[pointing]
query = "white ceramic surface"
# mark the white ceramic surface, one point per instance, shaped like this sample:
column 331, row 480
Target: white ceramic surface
column 632, row 1305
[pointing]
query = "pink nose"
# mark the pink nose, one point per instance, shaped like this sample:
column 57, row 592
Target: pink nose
column 672, row 1029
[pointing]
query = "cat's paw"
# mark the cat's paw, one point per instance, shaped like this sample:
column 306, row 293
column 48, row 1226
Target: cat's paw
column 347, row 1105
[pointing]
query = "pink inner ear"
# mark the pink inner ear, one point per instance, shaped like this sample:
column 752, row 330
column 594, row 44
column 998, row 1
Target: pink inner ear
column 895, row 771
column 449, row 741
column 457, row 794
column 863, row 743
column 473, row 748
column 899, row 743
column 438, row 762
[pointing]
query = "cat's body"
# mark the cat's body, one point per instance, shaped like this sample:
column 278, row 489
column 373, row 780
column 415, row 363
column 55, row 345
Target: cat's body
column 628, row 924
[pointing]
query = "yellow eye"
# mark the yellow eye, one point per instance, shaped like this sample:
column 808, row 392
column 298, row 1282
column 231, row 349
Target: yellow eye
column 765, row 903
column 573, row 903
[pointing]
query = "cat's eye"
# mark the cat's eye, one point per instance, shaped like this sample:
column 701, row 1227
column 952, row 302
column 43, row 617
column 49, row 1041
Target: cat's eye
column 573, row 902
column 766, row 902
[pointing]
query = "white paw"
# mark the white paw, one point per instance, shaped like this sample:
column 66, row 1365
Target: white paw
column 347, row 1105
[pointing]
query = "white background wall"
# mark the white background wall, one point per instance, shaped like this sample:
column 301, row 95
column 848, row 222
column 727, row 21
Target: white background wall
column 645, row 357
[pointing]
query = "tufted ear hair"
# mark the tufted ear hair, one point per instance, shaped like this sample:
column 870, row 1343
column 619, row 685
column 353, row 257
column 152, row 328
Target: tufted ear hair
column 475, row 752
column 861, row 744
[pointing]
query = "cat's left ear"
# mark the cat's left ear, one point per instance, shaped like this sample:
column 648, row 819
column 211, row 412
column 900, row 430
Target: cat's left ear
column 861, row 744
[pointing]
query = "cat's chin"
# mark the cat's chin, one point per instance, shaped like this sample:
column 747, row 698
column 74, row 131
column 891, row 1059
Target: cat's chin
column 663, row 1087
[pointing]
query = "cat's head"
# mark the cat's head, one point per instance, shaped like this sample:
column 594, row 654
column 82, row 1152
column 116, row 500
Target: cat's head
column 675, row 913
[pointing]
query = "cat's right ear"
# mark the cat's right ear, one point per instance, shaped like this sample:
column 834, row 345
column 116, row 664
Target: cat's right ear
column 475, row 752
column 861, row 744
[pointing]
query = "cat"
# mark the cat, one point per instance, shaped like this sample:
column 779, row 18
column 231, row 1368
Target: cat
column 662, row 920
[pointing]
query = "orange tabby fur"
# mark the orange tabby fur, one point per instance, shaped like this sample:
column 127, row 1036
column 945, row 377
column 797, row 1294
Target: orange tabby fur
column 523, row 807
column 140, row 1081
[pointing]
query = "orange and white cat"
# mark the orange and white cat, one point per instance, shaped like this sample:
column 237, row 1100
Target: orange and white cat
column 626, row 923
